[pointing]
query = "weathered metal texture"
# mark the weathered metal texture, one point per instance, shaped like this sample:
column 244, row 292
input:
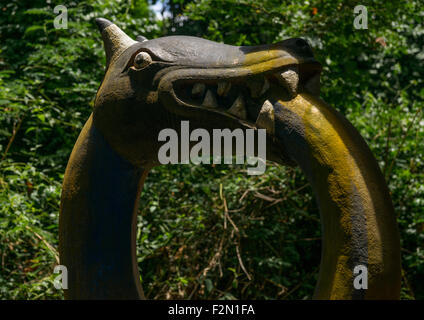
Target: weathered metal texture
column 154, row 84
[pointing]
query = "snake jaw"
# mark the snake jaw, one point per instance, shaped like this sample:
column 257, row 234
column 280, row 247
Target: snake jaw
column 235, row 93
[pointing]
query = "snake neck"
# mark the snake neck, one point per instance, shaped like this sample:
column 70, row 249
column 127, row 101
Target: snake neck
column 358, row 221
column 97, row 221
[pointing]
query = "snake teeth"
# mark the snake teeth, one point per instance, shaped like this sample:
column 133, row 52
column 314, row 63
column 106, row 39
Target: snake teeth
column 290, row 79
column 198, row 89
column 210, row 100
column 223, row 88
column 265, row 118
column 238, row 108
column 220, row 93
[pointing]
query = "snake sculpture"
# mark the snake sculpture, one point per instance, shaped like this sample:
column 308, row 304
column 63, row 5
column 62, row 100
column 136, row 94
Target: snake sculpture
column 154, row 84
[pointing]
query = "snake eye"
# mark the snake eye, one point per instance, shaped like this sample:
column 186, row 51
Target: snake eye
column 142, row 60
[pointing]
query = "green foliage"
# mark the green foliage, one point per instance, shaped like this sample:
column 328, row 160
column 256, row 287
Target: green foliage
column 196, row 246
column 48, row 80
column 206, row 231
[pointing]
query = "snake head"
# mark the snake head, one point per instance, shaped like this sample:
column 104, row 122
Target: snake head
column 154, row 84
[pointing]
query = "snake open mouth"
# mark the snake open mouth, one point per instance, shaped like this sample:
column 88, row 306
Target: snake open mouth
column 239, row 92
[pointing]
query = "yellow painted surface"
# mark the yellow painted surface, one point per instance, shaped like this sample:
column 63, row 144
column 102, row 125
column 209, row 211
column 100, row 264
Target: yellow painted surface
column 341, row 163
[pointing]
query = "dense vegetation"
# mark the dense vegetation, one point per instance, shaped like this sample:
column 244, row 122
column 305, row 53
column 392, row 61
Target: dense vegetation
column 206, row 231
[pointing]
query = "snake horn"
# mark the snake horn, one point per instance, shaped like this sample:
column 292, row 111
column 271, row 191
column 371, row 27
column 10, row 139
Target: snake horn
column 115, row 40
